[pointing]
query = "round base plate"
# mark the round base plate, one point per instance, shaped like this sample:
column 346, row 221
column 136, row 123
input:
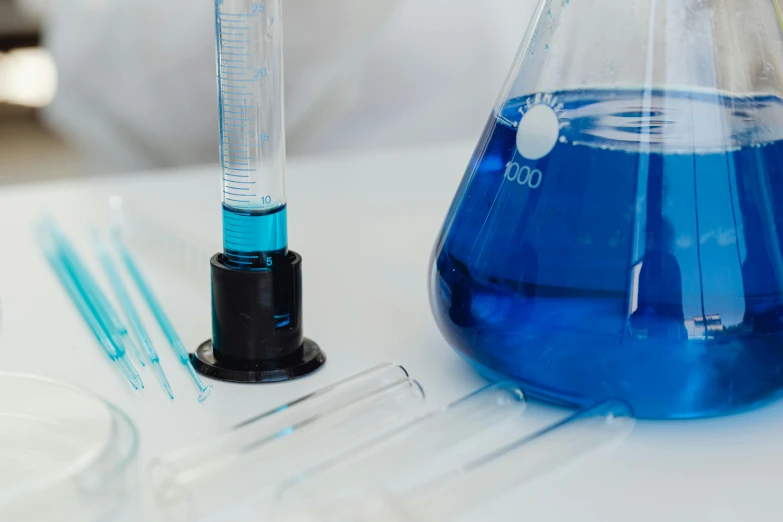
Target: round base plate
column 309, row 360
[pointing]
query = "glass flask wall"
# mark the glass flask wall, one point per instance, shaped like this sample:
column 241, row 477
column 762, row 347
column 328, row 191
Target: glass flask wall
column 619, row 230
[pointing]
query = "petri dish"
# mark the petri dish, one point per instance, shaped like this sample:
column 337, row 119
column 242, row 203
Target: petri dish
column 65, row 454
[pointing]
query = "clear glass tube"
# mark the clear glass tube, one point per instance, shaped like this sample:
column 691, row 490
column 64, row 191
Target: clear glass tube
column 583, row 434
column 463, row 482
column 410, row 449
column 252, row 136
column 267, row 449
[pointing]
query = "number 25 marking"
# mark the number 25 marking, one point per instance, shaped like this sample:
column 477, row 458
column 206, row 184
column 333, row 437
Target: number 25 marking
column 259, row 8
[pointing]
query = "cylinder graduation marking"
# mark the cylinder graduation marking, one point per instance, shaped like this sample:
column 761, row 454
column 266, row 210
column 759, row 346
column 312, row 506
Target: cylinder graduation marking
column 234, row 73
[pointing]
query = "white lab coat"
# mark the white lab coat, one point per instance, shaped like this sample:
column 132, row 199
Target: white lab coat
column 137, row 78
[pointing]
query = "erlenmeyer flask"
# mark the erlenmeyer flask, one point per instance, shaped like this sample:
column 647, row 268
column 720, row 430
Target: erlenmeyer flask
column 619, row 230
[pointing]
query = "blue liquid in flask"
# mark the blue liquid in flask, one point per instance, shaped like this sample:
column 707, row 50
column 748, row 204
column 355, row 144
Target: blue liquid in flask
column 622, row 244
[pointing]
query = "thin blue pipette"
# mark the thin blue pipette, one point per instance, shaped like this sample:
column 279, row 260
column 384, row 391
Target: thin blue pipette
column 130, row 310
column 160, row 315
column 87, row 315
column 103, row 308
column 93, row 296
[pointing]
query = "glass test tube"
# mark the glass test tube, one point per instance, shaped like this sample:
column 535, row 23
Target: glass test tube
column 266, row 449
column 583, row 434
column 252, row 136
column 411, row 448
column 461, row 485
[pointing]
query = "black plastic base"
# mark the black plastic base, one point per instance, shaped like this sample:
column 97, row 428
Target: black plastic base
column 298, row 365
column 257, row 332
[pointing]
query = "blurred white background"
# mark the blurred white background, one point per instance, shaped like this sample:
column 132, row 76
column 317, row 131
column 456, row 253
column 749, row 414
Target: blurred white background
column 104, row 86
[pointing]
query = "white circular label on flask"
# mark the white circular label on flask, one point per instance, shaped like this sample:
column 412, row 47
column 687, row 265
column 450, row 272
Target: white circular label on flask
column 538, row 132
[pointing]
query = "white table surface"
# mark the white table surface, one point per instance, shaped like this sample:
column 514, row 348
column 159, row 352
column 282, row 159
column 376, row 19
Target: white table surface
column 365, row 225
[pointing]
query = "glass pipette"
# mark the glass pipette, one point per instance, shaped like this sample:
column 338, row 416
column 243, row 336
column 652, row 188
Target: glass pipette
column 96, row 298
column 103, row 310
column 157, row 310
column 130, row 310
column 56, row 259
column 89, row 318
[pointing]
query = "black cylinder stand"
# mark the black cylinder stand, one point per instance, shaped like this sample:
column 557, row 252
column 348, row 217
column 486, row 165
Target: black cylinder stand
column 257, row 325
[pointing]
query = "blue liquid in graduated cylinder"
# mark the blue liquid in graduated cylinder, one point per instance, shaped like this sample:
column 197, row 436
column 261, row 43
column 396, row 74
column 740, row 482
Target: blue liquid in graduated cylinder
column 254, row 239
column 650, row 273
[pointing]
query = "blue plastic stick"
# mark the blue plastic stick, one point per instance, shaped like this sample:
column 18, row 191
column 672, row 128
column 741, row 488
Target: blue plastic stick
column 104, row 309
column 130, row 311
column 87, row 315
column 89, row 290
column 160, row 316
